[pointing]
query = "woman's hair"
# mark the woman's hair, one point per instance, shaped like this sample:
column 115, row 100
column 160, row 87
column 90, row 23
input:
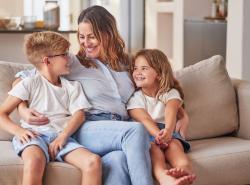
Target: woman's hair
column 40, row 44
column 159, row 62
column 105, row 30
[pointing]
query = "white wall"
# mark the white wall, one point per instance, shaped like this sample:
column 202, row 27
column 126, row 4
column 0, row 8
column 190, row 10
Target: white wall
column 11, row 8
column 246, row 41
column 192, row 7
column 238, row 39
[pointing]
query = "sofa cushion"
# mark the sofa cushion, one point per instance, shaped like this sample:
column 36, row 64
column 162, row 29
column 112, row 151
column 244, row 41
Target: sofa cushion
column 11, row 169
column 7, row 76
column 210, row 99
column 217, row 158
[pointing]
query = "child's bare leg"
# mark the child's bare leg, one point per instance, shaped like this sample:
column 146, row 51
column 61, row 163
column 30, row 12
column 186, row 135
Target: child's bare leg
column 88, row 163
column 159, row 169
column 34, row 165
column 178, row 160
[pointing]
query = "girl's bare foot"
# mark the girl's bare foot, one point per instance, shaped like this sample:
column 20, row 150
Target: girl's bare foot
column 177, row 172
column 183, row 180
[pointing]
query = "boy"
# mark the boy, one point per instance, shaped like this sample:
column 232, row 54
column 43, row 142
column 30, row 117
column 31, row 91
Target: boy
column 62, row 101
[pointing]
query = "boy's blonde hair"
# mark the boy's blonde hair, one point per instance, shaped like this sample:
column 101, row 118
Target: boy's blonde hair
column 159, row 62
column 40, row 44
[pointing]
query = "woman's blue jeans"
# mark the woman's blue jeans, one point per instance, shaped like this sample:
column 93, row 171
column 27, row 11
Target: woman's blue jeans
column 125, row 149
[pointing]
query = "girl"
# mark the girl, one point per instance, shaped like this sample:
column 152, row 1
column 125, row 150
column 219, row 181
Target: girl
column 158, row 105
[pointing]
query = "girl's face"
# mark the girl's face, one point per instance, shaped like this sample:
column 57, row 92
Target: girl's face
column 89, row 41
column 144, row 75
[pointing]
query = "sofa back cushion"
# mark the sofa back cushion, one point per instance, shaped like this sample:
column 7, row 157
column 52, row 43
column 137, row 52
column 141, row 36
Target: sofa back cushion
column 7, row 76
column 210, row 99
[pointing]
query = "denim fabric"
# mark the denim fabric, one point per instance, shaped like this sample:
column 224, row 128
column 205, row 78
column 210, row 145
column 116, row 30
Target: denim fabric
column 104, row 116
column 115, row 169
column 43, row 141
column 175, row 135
column 104, row 136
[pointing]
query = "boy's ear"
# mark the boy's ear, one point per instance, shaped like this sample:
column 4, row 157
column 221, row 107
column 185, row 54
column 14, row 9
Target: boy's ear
column 45, row 60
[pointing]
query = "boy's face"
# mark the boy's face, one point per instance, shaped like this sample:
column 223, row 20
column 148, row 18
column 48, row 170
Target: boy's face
column 143, row 74
column 59, row 63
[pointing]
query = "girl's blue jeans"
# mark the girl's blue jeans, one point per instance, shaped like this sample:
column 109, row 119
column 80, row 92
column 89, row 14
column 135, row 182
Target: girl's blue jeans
column 123, row 145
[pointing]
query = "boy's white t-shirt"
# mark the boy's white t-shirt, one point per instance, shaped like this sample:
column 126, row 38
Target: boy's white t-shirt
column 154, row 107
column 57, row 103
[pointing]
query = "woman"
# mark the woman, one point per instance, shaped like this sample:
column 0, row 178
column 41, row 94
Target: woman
column 100, row 67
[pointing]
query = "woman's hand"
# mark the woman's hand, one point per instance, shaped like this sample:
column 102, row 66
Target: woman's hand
column 31, row 116
column 57, row 145
column 25, row 135
column 182, row 123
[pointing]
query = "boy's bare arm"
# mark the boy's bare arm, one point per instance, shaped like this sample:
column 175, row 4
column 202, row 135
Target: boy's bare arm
column 143, row 117
column 6, row 109
column 8, row 125
column 74, row 123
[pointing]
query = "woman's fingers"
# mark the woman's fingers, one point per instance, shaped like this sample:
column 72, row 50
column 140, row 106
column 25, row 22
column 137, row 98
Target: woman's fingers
column 37, row 118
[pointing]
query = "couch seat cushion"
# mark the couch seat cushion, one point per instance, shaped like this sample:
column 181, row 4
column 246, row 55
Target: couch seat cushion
column 221, row 161
column 11, row 168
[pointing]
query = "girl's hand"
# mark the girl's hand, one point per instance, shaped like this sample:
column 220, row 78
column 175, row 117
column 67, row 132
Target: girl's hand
column 32, row 117
column 57, row 145
column 25, row 135
column 163, row 137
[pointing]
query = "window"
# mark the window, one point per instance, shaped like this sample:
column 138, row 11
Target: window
column 35, row 8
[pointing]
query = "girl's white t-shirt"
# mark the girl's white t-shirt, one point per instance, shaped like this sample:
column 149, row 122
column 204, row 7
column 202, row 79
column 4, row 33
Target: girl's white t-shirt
column 154, row 107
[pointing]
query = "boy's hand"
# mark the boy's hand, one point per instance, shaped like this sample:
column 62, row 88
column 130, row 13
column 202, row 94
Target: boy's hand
column 25, row 135
column 57, row 145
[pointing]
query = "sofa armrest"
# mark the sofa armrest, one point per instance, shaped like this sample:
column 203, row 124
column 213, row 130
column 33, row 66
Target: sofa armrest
column 242, row 89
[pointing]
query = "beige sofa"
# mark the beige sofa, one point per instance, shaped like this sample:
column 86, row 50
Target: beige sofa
column 219, row 128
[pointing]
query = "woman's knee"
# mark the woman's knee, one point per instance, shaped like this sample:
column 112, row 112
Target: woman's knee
column 118, row 157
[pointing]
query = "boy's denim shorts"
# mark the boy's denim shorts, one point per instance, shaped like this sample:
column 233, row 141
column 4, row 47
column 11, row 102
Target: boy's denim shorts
column 43, row 141
column 175, row 135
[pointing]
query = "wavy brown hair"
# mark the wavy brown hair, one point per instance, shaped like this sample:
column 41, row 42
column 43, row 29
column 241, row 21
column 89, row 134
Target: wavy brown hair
column 105, row 30
column 159, row 62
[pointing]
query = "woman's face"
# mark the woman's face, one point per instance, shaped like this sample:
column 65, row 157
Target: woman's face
column 89, row 41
